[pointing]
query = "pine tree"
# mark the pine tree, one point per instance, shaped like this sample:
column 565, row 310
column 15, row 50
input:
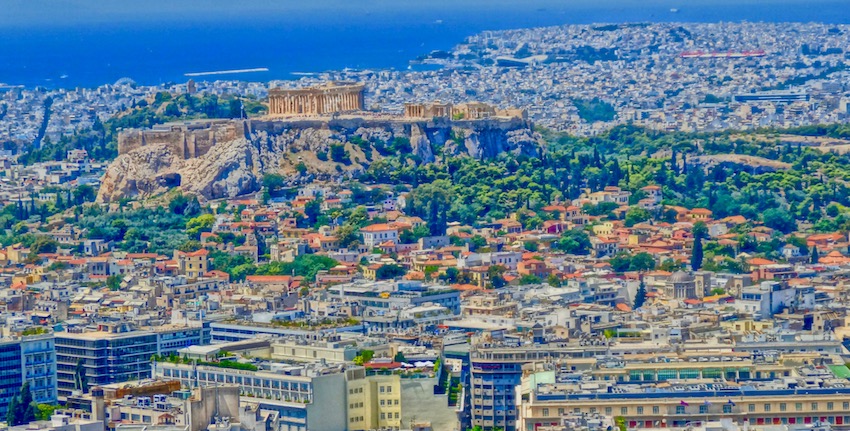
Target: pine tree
column 815, row 257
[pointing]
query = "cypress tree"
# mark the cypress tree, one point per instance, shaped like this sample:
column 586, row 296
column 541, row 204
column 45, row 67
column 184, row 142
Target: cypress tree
column 674, row 166
column 11, row 413
column 815, row 256
column 640, row 295
column 27, row 406
column 696, row 256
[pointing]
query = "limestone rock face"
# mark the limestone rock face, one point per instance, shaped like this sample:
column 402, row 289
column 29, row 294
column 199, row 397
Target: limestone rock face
column 234, row 165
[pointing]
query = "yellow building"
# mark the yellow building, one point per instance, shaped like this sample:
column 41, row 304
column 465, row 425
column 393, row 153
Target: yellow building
column 17, row 253
column 374, row 402
column 193, row 264
column 603, row 229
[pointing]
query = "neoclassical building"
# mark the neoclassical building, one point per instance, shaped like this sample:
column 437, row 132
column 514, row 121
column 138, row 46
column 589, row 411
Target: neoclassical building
column 680, row 285
column 320, row 100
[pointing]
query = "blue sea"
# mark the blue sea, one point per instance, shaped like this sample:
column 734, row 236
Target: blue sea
column 86, row 43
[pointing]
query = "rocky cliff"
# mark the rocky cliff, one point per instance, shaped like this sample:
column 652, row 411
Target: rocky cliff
column 240, row 152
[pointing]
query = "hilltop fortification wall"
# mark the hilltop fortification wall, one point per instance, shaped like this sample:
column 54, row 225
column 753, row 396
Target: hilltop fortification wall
column 185, row 140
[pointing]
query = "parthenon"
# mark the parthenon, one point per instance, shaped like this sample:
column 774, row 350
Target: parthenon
column 328, row 99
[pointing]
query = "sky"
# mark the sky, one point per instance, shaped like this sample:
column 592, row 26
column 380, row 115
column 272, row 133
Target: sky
column 23, row 13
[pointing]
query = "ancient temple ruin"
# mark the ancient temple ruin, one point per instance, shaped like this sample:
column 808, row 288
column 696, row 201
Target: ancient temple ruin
column 322, row 100
column 463, row 111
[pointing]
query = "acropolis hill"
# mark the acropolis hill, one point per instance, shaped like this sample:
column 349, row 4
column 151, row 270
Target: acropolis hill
column 227, row 158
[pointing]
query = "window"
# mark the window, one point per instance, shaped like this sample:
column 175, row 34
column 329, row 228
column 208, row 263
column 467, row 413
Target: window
column 767, row 407
column 829, row 406
column 727, row 408
column 656, row 410
column 845, row 405
column 624, row 410
column 798, row 407
column 751, row 408
column 640, row 410
column 814, row 407
column 680, row 410
column 560, row 412
column 608, row 411
column 782, row 407
column 383, row 416
column 703, row 409
column 545, row 412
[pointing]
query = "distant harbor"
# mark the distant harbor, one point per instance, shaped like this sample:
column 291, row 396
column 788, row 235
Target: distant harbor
column 228, row 72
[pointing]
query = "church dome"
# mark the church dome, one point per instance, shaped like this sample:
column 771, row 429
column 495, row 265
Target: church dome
column 681, row 277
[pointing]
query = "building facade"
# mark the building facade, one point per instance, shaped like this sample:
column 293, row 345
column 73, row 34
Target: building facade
column 306, row 398
column 112, row 355
column 374, row 402
column 38, row 362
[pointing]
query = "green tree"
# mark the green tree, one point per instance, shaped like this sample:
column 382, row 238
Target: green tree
column 338, row 154
column 189, row 246
column 312, row 211
column 529, row 279
column 495, row 273
column 12, row 412
column 477, row 242
column 640, row 295
column 45, row 411
column 27, row 406
column 779, row 219
column 387, row 272
column 696, row 254
column 815, row 256
column 113, row 282
column 574, row 241
column 363, row 357
column 22, row 409
column 620, row 262
column 642, row 262
column 273, row 181
column 201, row 223
column 450, row 275
column 42, row 244
column 636, row 215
